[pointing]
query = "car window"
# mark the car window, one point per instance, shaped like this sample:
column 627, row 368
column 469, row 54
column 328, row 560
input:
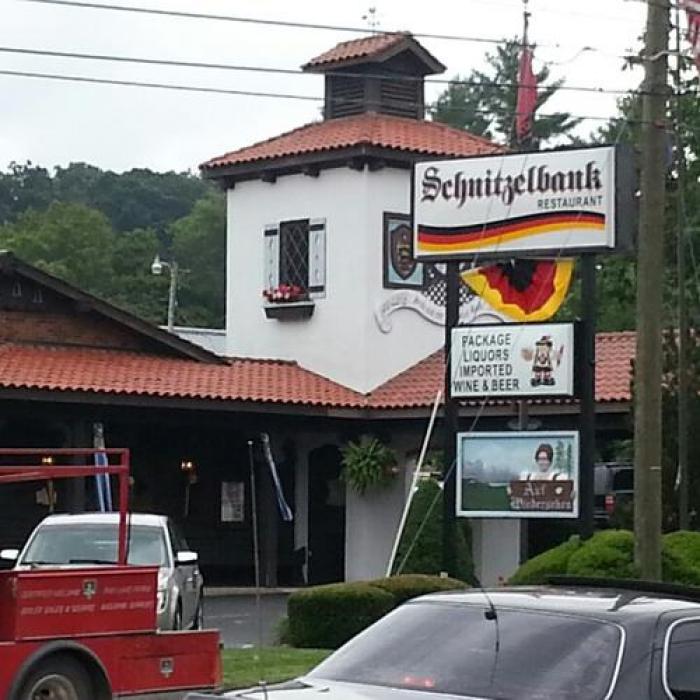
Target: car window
column 455, row 649
column 177, row 538
column 683, row 660
column 623, row 480
column 94, row 544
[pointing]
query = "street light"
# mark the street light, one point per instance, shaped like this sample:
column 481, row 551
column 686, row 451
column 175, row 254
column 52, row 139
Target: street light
column 157, row 269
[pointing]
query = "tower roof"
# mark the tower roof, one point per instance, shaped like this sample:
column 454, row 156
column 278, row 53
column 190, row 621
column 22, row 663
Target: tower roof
column 374, row 49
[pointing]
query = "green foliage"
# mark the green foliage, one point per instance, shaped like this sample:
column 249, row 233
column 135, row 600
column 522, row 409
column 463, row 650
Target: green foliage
column 78, row 245
column 420, row 548
column 409, row 586
column 100, row 231
column 608, row 554
column 553, row 562
column 486, row 104
column 685, row 545
column 681, row 560
column 137, row 199
column 199, row 245
column 325, row 617
column 282, row 634
column 368, row 463
column 70, row 241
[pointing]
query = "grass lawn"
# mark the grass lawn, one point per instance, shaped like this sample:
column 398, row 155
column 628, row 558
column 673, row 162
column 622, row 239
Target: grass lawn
column 247, row 667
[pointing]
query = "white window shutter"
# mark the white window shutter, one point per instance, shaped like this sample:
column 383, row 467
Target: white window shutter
column 317, row 258
column 271, row 269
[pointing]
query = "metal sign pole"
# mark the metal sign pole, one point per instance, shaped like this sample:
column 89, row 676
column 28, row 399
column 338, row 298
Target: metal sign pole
column 449, row 518
column 587, row 374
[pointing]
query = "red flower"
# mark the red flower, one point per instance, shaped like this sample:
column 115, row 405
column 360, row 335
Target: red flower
column 285, row 293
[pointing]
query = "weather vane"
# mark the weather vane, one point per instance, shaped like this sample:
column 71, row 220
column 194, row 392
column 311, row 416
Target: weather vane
column 371, row 18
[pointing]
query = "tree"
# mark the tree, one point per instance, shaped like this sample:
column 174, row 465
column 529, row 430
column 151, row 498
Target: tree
column 78, row 245
column 484, row 103
column 23, row 187
column 137, row 199
column 199, row 246
column 70, row 241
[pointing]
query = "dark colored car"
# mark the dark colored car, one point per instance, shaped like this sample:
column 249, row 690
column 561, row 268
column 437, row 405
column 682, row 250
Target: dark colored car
column 563, row 642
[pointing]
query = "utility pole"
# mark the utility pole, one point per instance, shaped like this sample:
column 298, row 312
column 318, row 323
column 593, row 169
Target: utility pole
column 682, row 475
column 650, row 274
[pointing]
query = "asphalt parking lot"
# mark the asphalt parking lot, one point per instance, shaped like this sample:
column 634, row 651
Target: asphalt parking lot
column 236, row 617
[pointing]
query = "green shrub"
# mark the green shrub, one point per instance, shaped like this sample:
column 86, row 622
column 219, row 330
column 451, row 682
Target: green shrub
column 552, row 562
column 281, row 635
column 681, row 557
column 422, row 537
column 324, row 617
column 685, row 545
column 608, row 554
column 409, row 586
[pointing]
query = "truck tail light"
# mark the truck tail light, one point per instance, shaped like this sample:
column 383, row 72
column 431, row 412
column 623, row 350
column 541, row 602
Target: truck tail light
column 609, row 504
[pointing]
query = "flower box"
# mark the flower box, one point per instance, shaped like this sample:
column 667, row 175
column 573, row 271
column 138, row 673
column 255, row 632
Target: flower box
column 290, row 310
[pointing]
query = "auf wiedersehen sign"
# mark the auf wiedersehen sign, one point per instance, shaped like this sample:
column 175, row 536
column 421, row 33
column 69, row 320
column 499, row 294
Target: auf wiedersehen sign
column 551, row 202
column 513, row 360
column 532, row 474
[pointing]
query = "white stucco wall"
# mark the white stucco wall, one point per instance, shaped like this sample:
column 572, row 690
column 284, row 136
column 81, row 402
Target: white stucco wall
column 496, row 549
column 342, row 340
column 372, row 522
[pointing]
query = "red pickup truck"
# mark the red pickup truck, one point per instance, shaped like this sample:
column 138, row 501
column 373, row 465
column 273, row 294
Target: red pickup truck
column 90, row 633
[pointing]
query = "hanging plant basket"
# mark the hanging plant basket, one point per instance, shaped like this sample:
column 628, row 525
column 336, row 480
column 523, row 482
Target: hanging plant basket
column 368, row 463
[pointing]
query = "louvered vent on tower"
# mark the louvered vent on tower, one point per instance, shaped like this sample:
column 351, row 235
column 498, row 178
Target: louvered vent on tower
column 402, row 98
column 345, row 96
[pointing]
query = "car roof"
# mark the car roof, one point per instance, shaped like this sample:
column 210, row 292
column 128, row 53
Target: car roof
column 104, row 518
column 612, row 603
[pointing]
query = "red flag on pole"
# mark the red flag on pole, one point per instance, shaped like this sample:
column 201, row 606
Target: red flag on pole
column 527, row 97
column 692, row 8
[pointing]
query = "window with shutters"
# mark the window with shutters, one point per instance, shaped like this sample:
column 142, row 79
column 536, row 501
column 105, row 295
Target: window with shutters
column 295, row 256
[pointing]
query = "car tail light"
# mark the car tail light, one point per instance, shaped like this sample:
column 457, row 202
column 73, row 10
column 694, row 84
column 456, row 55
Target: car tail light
column 609, row 504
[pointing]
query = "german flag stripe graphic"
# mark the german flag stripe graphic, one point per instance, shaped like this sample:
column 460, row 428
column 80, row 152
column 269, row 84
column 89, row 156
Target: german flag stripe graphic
column 437, row 238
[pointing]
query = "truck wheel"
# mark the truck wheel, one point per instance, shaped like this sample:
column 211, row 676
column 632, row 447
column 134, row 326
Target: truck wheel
column 57, row 678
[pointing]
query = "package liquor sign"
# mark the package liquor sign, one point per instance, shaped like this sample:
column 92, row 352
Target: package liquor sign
column 518, row 474
column 513, row 360
column 561, row 202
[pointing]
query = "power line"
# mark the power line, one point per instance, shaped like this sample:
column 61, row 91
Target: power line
column 275, row 22
column 257, row 20
column 292, row 71
column 247, row 93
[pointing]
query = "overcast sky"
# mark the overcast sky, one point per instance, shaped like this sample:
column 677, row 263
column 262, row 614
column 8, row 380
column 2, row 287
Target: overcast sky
column 55, row 123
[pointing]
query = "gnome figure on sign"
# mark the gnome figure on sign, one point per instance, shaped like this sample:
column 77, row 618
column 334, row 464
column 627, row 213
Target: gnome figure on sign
column 544, row 358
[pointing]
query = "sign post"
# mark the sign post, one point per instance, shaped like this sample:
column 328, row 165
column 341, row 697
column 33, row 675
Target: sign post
column 449, row 471
column 587, row 394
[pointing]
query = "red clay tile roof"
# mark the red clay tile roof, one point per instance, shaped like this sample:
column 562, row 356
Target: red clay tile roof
column 368, row 129
column 614, row 355
column 117, row 372
column 357, row 48
column 264, row 381
column 417, row 386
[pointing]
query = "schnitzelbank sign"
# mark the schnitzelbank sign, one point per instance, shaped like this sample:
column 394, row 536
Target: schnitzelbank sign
column 513, row 360
column 550, row 202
